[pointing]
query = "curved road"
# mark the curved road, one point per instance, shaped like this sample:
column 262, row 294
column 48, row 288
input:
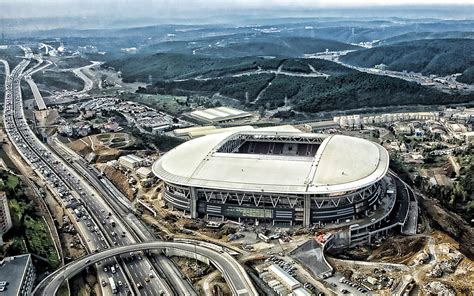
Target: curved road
column 232, row 271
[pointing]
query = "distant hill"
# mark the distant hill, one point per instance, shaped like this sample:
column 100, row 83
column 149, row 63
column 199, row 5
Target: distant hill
column 345, row 88
column 167, row 66
column 426, row 35
column 436, row 56
column 307, row 94
column 243, row 45
column 283, row 47
column 467, row 76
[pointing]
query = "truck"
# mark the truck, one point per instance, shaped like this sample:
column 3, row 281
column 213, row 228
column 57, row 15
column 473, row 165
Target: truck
column 113, row 287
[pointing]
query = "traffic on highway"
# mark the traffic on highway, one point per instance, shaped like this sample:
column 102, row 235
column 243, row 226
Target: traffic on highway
column 102, row 221
column 95, row 220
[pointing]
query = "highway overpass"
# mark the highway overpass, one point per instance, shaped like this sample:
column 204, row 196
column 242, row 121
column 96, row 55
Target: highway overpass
column 234, row 274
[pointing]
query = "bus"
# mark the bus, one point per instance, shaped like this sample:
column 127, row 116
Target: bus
column 112, row 285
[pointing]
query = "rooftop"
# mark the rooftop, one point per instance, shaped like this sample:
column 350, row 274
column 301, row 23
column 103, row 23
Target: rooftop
column 328, row 163
column 284, row 276
column 218, row 114
column 12, row 270
column 131, row 158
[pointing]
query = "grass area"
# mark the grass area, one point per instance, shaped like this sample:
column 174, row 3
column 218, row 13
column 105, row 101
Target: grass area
column 63, row 290
column 57, row 81
column 160, row 142
column 166, row 103
column 11, row 55
column 117, row 140
column 39, row 240
column 103, row 137
column 29, row 231
column 12, row 181
column 17, row 208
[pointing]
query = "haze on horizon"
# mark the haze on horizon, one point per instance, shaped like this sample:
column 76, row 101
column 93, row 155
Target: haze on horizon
column 195, row 9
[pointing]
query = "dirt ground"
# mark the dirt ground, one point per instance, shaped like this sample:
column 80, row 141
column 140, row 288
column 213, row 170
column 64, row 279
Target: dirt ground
column 105, row 146
column 452, row 224
column 398, row 250
column 84, row 286
column 119, row 180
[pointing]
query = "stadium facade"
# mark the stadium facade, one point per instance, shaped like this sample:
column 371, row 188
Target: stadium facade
column 275, row 176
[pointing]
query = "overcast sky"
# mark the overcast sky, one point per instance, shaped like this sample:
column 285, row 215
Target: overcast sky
column 187, row 8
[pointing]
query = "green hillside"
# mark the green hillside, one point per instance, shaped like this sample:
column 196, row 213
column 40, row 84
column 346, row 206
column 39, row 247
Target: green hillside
column 339, row 92
column 166, row 66
column 426, row 35
column 437, row 56
column 467, row 76
column 283, row 47
column 245, row 45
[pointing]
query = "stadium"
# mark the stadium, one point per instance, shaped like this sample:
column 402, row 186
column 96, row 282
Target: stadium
column 281, row 177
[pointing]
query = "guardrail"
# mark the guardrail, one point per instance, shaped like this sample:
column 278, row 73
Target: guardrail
column 232, row 271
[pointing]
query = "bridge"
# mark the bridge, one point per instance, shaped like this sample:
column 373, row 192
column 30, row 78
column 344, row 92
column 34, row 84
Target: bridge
column 234, row 274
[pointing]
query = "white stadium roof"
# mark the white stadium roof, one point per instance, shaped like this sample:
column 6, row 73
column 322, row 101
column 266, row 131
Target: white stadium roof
column 341, row 164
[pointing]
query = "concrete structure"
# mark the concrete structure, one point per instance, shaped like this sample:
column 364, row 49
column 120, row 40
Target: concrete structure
column 5, row 218
column 130, row 161
column 469, row 137
column 200, row 131
column 144, row 172
column 280, row 176
column 354, row 121
column 17, row 273
column 284, row 277
column 301, row 292
column 234, row 274
column 322, row 125
column 218, row 115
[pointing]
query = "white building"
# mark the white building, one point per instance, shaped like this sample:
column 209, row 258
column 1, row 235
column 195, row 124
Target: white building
column 5, row 219
column 130, row 161
column 145, row 172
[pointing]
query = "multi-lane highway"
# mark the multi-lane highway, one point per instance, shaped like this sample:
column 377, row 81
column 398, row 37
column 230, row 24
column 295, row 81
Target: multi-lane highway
column 95, row 222
column 100, row 219
column 231, row 270
column 123, row 207
column 48, row 168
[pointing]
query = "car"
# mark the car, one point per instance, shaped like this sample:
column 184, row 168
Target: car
column 139, row 286
column 344, row 291
column 104, row 283
column 147, row 279
column 106, row 269
column 151, row 275
column 120, row 283
column 88, row 261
